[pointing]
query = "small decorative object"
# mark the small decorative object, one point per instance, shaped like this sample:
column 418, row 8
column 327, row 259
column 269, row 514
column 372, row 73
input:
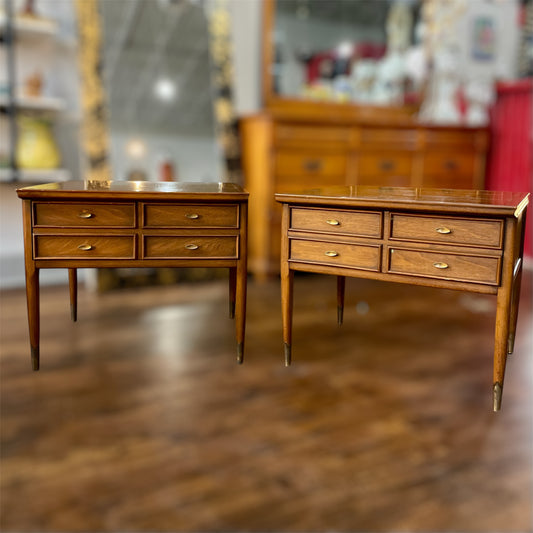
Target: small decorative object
column 36, row 148
column 33, row 85
column 479, row 95
column 483, row 35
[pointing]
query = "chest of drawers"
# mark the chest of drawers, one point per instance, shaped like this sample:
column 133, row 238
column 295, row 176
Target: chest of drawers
column 455, row 239
column 134, row 224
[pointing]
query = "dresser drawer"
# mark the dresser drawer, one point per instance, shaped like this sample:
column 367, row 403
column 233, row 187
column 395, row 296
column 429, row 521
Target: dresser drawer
column 445, row 230
column 291, row 135
column 84, row 247
column 358, row 223
column 190, row 216
column 389, row 137
column 442, row 265
column 345, row 255
column 80, row 215
column 289, row 163
column 448, row 164
column 384, row 164
column 197, row 247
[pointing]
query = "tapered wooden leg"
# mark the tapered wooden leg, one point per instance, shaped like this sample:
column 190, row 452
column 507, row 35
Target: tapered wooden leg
column 287, row 282
column 232, row 289
column 341, row 283
column 500, row 344
column 32, row 298
column 73, row 290
column 240, row 308
column 513, row 316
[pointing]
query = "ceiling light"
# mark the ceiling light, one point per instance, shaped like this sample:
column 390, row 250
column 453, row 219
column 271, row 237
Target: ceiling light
column 165, row 89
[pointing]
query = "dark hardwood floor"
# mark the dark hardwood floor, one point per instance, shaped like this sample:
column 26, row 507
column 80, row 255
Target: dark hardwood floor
column 140, row 419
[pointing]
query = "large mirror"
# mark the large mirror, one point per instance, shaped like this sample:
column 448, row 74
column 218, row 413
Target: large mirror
column 157, row 80
column 362, row 52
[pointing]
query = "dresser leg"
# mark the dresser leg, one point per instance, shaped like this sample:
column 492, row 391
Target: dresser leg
column 341, row 283
column 32, row 298
column 287, row 282
column 240, row 308
column 513, row 317
column 501, row 339
column 232, row 289
column 73, row 290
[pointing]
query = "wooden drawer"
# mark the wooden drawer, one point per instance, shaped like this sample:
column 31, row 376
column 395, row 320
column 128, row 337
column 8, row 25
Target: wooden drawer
column 197, row 247
column 359, row 223
column 477, row 232
column 448, row 164
column 456, row 138
column 190, row 215
column 442, row 265
column 84, row 247
column 289, row 163
column 384, row 164
column 344, row 255
column 291, row 135
column 389, row 137
column 81, row 215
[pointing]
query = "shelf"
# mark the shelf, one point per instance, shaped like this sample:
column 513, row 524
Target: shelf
column 30, row 26
column 40, row 103
column 46, row 175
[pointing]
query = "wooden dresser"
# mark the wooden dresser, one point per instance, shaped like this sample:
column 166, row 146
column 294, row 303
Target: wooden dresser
column 94, row 224
column 305, row 145
column 455, row 239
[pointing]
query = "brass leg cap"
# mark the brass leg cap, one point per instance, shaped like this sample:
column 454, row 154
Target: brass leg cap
column 73, row 313
column 240, row 352
column 497, row 396
column 510, row 344
column 232, row 309
column 287, row 351
column 340, row 315
column 34, row 358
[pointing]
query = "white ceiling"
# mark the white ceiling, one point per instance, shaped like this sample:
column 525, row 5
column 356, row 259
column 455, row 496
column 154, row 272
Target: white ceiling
column 143, row 41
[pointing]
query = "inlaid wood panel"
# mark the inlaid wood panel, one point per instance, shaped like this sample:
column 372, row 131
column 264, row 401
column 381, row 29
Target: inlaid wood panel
column 81, row 215
column 169, row 246
column 84, row 247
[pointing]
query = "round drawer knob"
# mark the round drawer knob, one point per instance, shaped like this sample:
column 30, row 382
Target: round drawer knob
column 442, row 266
column 443, row 230
column 333, row 222
column 85, row 214
column 191, row 246
column 85, row 247
column 331, row 254
column 192, row 216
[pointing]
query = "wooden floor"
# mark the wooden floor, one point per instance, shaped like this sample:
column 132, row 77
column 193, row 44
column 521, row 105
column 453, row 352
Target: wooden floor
column 140, row 419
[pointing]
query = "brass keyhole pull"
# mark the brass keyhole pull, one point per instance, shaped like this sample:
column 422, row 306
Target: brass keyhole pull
column 443, row 230
column 85, row 214
column 312, row 165
column 191, row 246
column 192, row 216
column 85, row 247
column 442, row 266
column 331, row 254
column 386, row 165
column 333, row 222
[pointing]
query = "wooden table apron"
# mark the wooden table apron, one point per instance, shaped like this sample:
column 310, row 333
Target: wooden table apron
column 455, row 239
column 134, row 224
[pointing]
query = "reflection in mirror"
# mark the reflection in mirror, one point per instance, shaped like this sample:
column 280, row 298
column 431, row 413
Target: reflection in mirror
column 361, row 51
column 156, row 75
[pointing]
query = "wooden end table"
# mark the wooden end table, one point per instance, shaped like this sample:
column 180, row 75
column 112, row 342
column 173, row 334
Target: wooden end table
column 103, row 224
column 455, row 239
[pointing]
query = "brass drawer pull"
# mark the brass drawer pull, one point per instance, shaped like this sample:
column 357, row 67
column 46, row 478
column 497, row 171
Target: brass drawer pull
column 191, row 246
column 85, row 247
column 85, row 214
column 333, row 222
column 192, row 216
column 386, row 165
column 312, row 165
column 442, row 266
column 443, row 230
column 331, row 254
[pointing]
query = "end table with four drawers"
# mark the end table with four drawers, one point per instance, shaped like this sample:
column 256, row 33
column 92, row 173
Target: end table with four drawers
column 109, row 224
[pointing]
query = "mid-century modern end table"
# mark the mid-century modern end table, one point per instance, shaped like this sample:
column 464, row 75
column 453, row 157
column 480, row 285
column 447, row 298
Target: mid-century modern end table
column 454, row 239
column 95, row 224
